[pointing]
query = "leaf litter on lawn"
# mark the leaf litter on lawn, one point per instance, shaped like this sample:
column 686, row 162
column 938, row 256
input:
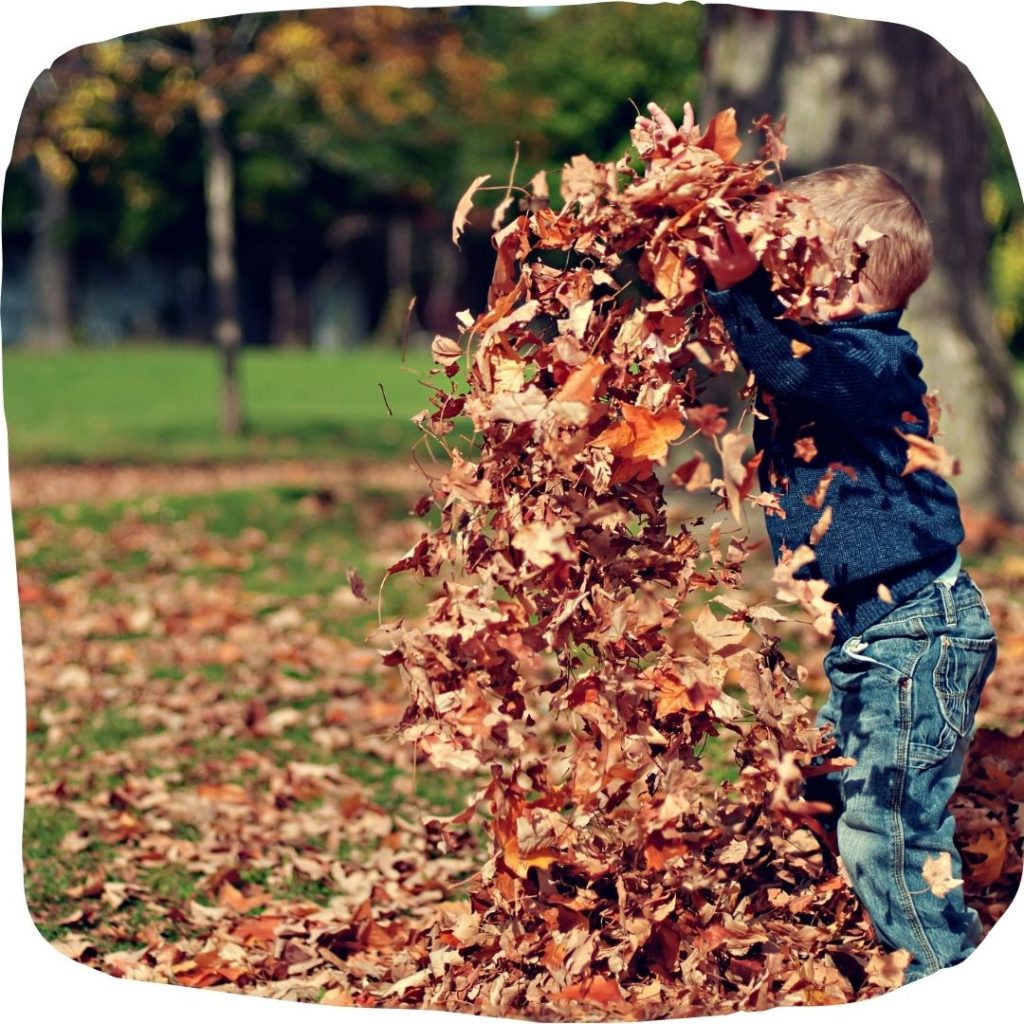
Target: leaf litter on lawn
column 214, row 793
column 214, row 797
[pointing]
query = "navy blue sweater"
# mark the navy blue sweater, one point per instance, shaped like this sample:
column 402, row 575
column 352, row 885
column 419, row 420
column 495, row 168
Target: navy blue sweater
column 848, row 394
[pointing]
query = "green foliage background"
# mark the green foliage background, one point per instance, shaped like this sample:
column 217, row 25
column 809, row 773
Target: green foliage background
column 557, row 81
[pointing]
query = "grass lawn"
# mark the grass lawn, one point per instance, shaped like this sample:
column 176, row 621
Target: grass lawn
column 160, row 403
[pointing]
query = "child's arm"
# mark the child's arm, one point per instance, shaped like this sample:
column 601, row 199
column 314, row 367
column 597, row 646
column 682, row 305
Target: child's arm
column 838, row 368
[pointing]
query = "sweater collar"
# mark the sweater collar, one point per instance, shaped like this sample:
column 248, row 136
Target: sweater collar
column 886, row 317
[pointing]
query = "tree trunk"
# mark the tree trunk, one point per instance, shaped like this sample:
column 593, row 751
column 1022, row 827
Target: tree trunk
column 439, row 315
column 220, row 226
column 872, row 92
column 391, row 327
column 50, row 316
column 284, row 329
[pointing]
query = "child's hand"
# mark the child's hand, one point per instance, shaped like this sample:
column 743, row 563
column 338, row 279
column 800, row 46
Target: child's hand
column 660, row 127
column 664, row 125
column 729, row 258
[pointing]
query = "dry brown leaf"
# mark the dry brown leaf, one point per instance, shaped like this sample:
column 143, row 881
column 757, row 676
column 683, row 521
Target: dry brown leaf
column 463, row 207
column 938, row 874
column 925, row 454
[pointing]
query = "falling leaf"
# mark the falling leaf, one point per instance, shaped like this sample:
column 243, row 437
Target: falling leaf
column 708, row 419
column 739, row 476
column 925, row 454
column 465, row 204
column 355, row 582
column 539, row 185
column 805, row 449
column 693, row 474
column 821, row 526
column 445, row 351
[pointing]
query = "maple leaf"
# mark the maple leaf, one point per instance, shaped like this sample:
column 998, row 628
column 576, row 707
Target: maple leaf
column 673, row 277
column 988, row 850
column 938, row 874
column 581, row 384
column 641, row 435
column 542, row 543
column 708, row 419
column 774, row 149
column 693, row 474
column 445, row 351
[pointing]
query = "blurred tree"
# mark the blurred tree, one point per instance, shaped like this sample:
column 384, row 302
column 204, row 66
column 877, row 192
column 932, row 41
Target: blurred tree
column 68, row 119
column 377, row 97
column 879, row 93
column 1004, row 212
column 199, row 69
column 385, row 99
column 588, row 63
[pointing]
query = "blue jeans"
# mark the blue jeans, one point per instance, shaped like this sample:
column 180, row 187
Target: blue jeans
column 902, row 703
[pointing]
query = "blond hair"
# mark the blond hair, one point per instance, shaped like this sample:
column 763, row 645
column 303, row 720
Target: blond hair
column 852, row 197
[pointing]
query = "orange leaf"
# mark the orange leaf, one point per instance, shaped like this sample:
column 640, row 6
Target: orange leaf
column 521, row 863
column 672, row 277
column 223, row 793
column 658, row 851
column 596, row 989
column 581, row 384
column 925, row 454
column 257, row 931
column 641, row 434
column 229, row 896
column 721, row 135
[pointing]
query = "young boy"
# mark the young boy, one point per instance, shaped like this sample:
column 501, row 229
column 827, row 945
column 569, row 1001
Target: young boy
column 913, row 642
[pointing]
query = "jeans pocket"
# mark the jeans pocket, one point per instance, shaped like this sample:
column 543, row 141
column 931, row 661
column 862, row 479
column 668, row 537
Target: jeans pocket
column 946, row 699
column 892, row 657
column 963, row 666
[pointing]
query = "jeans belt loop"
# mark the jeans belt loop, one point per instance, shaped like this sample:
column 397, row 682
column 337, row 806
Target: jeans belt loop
column 948, row 604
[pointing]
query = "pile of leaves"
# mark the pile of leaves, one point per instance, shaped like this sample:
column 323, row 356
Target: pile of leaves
column 566, row 604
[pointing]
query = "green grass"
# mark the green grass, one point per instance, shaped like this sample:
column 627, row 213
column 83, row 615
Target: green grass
column 161, row 404
column 49, row 872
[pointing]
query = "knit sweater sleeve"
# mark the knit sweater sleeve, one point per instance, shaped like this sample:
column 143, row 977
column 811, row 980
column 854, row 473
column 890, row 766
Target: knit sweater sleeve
column 844, row 369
